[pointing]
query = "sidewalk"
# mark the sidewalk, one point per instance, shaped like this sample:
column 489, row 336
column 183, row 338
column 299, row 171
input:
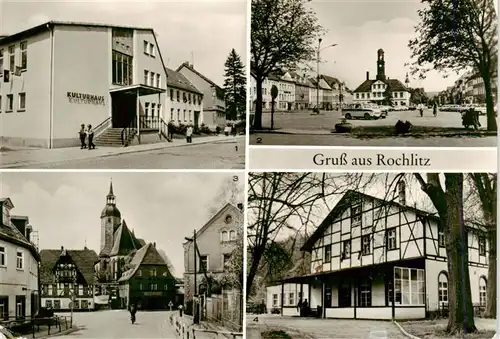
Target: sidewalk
column 19, row 157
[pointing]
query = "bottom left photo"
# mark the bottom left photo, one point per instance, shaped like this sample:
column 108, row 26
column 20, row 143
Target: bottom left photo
column 121, row 255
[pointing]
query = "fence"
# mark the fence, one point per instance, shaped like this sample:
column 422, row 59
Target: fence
column 226, row 309
column 443, row 310
column 37, row 327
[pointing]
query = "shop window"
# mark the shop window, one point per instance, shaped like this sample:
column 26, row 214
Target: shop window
column 482, row 291
column 85, row 304
column 24, row 55
column 365, row 293
column 391, row 240
column 443, row 287
column 76, row 304
column 482, row 245
column 327, row 254
column 409, row 286
column 22, row 101
column 4, row 308
column 10, row 103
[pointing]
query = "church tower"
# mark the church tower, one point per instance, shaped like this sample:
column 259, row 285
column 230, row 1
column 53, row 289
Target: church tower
column 110, row 221
column 380, row 65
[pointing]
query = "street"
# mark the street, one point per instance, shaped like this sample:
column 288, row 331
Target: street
column 116, row 324
column 321, row 328
column 224, row 154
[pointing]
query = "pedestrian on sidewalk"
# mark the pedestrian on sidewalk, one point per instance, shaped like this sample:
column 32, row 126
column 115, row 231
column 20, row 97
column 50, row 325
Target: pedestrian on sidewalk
column 189, row 134
column 227, row 130
column 170, row 130
column 90, row 134
column 82, row 137
column 435, row 109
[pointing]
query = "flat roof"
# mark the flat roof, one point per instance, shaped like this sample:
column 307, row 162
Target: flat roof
column 142, row 89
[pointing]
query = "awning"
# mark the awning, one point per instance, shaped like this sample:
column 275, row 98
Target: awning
column 139, row 88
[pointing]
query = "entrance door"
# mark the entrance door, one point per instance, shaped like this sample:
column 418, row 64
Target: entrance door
column 344, row 294
column 123, row 109
column 196, row 119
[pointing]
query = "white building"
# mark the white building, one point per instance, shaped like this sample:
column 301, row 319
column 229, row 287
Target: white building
column 373, row 90
column 186, row 101
column 376, row 259
column 19, row 258
column 325, row 93
column 60, row 75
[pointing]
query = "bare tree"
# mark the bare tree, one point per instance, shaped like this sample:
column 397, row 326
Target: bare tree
column 449, row 204
column 486, row 189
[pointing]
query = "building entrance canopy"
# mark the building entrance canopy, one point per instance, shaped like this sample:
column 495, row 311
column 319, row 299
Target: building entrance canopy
column 138, row 89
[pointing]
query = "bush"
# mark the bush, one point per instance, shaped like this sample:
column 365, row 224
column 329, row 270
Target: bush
column 204, row 129
column 275, row 311
column 275, row 335
column 255, row 308
column 403, row 127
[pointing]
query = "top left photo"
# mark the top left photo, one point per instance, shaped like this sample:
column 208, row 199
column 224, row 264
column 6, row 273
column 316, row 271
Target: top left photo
column 123, row 85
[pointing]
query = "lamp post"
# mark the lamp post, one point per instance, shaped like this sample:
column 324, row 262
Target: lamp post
column 317, row 69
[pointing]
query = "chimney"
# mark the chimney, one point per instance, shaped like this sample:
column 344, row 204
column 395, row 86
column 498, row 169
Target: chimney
column 29, row 229
column 367, row 75
column 154, row 244
column 240, row 206
column 402, row 192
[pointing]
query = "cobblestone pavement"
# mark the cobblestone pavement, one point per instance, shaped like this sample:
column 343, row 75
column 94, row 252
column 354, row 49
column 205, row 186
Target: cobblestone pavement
column 116, row 324
column 322, row 328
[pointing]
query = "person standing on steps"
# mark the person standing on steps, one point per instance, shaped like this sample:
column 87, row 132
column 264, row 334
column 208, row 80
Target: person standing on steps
column 90, row 133
column 82, row 137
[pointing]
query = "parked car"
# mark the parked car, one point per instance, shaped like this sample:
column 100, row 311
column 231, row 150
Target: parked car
column 5, row 333
column 364, row 111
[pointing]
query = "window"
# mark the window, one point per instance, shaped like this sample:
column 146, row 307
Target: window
column 20, row 306
column 48, row 303
column 441, row 239
column 179, row 115
column 158, row 80
column 20, row 260
column 146, row 45
column 2, row 256
column 171, row 95
column 356, row 215
column 346, row 249
column 24, row 55
column 482, row 291
column 57, row 304
column 1, row 101
column 225, row 259
column 146, row 77
column 165, row 287
column 178, row 96
column 232, row 235
column 291, row 298
column 482, row 246
column 443, row 287
column 154, row 287
column 190, row 116
column 275, row 300
column 152, row 50
column 366, row 244
column 224, row 236
column 122, row 69
column 153, row 107
column 390, row 237
column 151, row 79
column 1, row 62
column 12, row 58
column 327, row 254
column 153, row 272
column 22, row 101
column 139, row 273
column 158, row 110
column 409, row 286
column 85, row 304
column 365, row 293
column 203, row 263
column 10, row 103
column 171, row 114
column 77, row 304
column 140, row 287
column 189, row 97
column 184, row 115
column 146, row 108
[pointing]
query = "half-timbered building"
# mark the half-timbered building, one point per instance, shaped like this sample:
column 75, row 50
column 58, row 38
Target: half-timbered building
column 378, row 259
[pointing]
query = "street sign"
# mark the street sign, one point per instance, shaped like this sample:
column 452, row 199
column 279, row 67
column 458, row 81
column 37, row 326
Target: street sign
column 170, row 304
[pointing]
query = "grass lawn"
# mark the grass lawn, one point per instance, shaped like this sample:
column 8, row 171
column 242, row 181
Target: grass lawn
column 428, row 329
column 416, row 131
column 275, row 335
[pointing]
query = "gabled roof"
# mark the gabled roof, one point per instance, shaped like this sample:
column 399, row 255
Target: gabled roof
column 7, row 202
column 146, row 255
column 178, row 80
column 330, row 80
column 83, row 259
column 394, row 85
column 345, row 202
column 191, row 68
column 124, row 241
column 223, row 210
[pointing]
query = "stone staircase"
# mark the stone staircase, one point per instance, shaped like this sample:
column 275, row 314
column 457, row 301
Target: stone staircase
column 112, row 137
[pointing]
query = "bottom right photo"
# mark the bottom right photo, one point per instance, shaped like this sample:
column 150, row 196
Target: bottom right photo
column 371, row 255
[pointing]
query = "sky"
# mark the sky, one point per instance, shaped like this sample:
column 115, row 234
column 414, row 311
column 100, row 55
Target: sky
column 65, row 207
column 360, row 28
column 203, row 31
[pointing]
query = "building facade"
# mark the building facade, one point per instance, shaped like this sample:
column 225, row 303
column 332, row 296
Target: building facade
column 214, row 106
column 67, row 279
column 51, row 84
column 377, row 259
column 186, row 101
column 377, row 90
column 19, row 258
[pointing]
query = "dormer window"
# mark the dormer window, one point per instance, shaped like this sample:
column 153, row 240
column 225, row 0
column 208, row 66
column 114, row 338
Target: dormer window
column 5, row 214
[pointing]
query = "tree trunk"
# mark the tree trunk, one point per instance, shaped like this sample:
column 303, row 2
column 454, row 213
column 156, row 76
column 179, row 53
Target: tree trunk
column 490, row 111
column 252, row 272
column 257, row 122
column 461, row 312
column 491, row 285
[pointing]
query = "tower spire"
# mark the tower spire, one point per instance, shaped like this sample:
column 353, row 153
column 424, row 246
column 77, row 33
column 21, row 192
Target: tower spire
column 110, row 198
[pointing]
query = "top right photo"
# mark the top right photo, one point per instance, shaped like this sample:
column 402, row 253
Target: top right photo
column 374, row 73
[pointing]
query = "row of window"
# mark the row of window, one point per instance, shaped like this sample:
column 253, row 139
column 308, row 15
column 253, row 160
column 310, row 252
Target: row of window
column 22, row 57
column 122, row 69
column 66, row 289
column 378, row 95
column 153, row 108
column 151, row 287
column 187, row 115
column 152, row 273
column 149, row 49
column 20, row 306
column 186, row 97
column 443, row 289
column 227, row 236
column 10, row 104
column 152, row 79
column 203, row 264
column 56, row 304
column 19, row 258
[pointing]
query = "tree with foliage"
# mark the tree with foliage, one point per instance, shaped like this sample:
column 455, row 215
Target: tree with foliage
column 235, row 87
column 449, row 205
column 388, row 97
column 418, row 96
column 283, row 34
column 458, row 35
column 485, row 186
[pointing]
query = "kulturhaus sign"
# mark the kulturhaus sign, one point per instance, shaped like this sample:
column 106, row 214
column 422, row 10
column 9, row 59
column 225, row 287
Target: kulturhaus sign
column 83, row 98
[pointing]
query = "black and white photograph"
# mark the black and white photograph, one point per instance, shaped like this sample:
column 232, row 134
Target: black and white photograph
column 121, row 255
column 123, row 84
column 371, row 255
column 373, row 73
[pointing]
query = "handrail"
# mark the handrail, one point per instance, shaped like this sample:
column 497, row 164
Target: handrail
column 99, row 129
column 163, row 128
column 129, row 131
